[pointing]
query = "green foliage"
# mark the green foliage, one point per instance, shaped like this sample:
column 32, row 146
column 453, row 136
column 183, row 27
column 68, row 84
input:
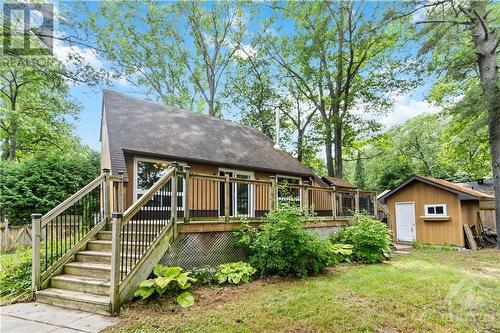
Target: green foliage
column 282, row 246
column 204, row 274
column 38, row 184
column 341, row 252
column 15, row 274
column 370, row 239
column 234, row 272
column 168, row 279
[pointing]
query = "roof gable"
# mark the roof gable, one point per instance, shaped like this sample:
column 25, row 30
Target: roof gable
column 149, row 128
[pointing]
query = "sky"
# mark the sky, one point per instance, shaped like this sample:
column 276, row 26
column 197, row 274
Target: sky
column 87, row 125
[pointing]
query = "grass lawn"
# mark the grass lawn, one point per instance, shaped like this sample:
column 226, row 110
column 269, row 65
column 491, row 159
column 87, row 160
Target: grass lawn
column 426, row 290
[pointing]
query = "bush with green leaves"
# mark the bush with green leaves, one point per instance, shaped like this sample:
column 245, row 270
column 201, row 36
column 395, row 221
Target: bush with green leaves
column 234, row 272
column 370, row 239
column 38, row 184
column 15, row 274
column 283, row 246
column 204, row 274
column 170, row 279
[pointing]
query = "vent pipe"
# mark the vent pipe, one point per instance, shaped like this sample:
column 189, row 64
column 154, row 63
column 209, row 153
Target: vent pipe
column 277, row 134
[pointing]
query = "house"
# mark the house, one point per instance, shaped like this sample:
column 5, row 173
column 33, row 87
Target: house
column 175, row 184
column 431, row 210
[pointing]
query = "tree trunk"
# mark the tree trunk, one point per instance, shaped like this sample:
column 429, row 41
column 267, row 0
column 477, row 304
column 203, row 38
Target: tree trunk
column 328, row 153
column 338, row 150
column 485, row 39
column 13, row 141
column 300, row 144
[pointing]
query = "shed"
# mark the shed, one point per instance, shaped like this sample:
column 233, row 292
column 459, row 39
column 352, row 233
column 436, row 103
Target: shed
column 431, row 210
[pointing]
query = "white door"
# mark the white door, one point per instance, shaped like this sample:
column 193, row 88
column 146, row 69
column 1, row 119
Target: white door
column 405, row 221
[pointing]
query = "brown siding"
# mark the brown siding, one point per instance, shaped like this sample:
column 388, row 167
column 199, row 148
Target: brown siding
column 470, row 209
column 437, row 232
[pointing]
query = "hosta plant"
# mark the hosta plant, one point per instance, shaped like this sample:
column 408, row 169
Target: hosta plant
column 234, row 272
column 171, row 279
column 341, row 252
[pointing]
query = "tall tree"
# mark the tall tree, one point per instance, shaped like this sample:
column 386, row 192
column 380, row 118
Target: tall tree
column 339, row 56
column 462, row 38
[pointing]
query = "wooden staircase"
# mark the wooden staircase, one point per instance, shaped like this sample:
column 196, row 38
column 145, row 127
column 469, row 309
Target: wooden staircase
column 84, row 284
column 108, row 254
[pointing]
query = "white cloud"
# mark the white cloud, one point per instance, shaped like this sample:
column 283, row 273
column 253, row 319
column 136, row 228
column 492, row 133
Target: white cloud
column 245, row 52
column 405, row 108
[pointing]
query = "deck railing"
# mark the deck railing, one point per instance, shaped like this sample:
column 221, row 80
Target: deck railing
column 67, row 227
column 213, row 198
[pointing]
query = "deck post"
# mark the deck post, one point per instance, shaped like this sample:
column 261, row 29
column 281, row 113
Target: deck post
column 356, row 202
column 115, row 262
column 272, row 194
column 227, row 194
column 121, row 196
column 334, row 203
column 173, row 198
column 187, row 170
column 36, row 220
column 306, row 198
column 107, row 195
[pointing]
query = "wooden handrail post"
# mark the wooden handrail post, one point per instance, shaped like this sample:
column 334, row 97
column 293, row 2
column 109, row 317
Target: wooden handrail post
column 334, row 204
column 227, row 196
column 306, row 198
column 173, row 200
column 107, row 195
column 36, row 221
column 272, row 194
column 356, row 201
column 187, row 171
column 115, row 262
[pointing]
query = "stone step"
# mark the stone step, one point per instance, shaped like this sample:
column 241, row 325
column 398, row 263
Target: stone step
column 74, row 300
column 130, row 236
column 100, row 271
column 83, row 284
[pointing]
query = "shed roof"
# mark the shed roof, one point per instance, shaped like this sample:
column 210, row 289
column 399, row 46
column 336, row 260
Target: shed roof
column 147, row 128
column 463, row 192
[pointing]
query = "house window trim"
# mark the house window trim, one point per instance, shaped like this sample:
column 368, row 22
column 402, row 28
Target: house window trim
column 290, row 177
column 251, row 194
column 135, row 192
column 444, row 214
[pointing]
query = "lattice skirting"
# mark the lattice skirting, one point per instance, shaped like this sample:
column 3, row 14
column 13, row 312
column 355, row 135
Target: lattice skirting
column 203, row 249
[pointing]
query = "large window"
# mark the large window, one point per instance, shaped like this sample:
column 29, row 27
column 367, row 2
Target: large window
column 436, row 210
column 240, row 195
column 287, row 193
column 149, row 171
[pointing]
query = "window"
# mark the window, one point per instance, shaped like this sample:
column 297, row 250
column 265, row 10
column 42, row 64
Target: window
column 436, row 210
column 149, row 171
column 287, row 193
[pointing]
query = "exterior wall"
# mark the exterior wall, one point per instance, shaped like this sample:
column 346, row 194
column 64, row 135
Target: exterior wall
column 105, row 155
column 204, row 192
column 470, row 209
column 427, row 231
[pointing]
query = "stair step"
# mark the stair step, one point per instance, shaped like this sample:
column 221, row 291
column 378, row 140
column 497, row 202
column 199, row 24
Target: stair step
column 74, row 300
column 100, row 271
column 105, row 245
column 98, row 257
column 82, row 284
column 131, row 236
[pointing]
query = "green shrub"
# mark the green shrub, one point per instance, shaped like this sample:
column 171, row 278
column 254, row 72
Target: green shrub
column 36, row 185
column 370, row 239
column 282, row 246
column 204, row 274
column 168, row 279
column 15, row 274
column 234, row 272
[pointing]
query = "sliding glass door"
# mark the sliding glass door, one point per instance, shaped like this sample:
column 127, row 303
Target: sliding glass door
column 240, row 195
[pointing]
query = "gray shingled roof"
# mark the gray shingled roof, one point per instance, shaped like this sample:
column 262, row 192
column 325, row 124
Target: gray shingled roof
column 148, row 128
